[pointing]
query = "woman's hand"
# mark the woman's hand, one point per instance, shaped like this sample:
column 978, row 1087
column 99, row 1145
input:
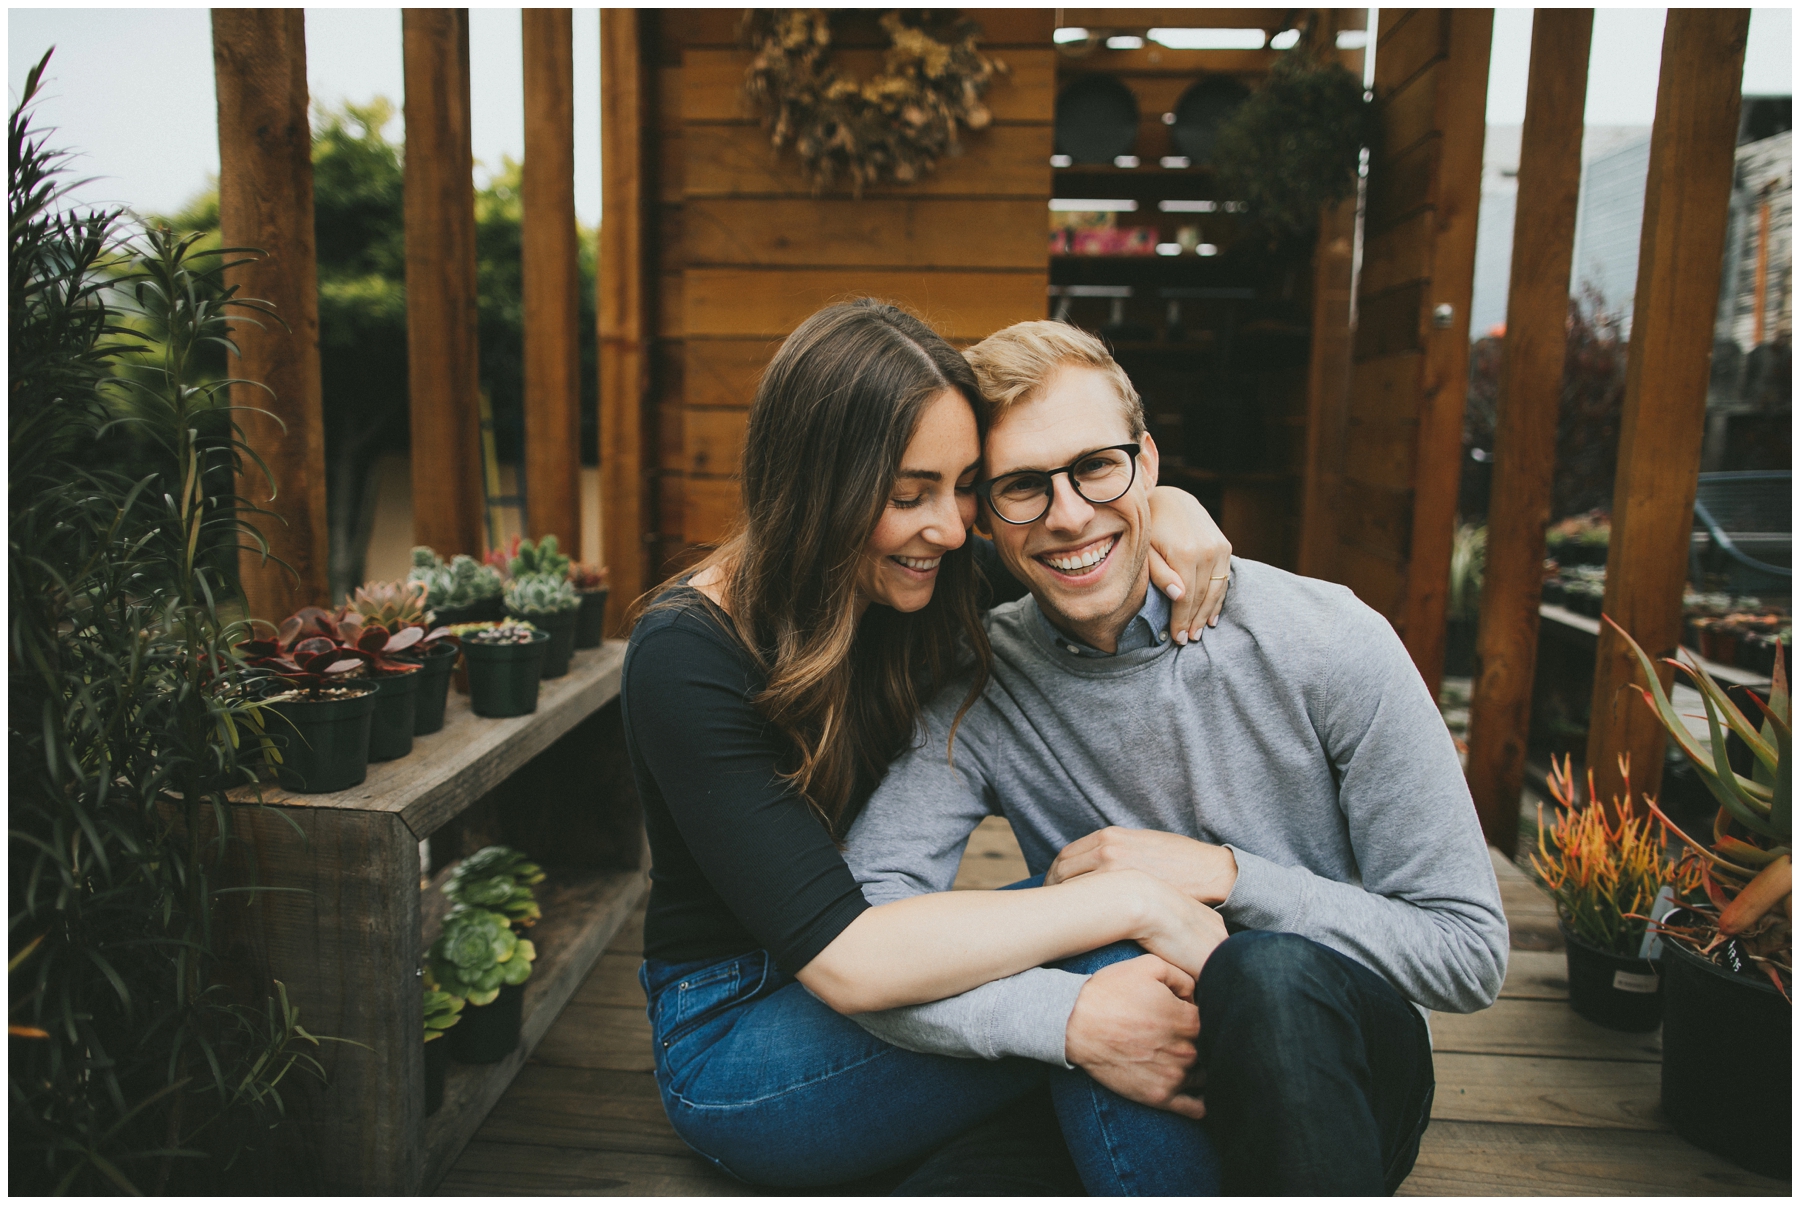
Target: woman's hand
column 1190, row 561
column 1173, row 926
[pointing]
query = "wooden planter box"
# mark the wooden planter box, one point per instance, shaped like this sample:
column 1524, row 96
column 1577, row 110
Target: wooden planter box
column 357, row 909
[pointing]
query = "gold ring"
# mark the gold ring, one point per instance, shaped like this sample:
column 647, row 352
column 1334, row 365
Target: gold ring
column 1219, row 578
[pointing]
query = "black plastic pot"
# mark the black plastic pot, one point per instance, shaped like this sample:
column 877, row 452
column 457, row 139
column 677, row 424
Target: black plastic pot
column 1553, row 592
column 324, row 744
column 391, row 726
column 437, row 1067
column 434, row 688
column 487, row 1033
column 1620, row 993
column 561, row 626
column 475, row 612
column 590, row 628
column 1726, row 1079
column 503, row 678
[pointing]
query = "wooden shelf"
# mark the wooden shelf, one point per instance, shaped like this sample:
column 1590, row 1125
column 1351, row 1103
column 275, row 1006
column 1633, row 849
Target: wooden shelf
column 1730, row 675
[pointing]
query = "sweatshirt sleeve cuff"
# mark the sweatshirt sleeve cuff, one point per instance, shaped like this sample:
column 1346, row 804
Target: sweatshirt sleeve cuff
column 1044, row 1035
column 1266, row 895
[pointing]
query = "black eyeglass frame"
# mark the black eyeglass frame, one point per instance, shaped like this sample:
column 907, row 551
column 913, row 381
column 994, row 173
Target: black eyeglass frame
column 985, row 489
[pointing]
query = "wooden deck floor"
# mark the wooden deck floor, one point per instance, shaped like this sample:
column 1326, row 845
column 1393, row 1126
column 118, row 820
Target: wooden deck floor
column 1531, row 1099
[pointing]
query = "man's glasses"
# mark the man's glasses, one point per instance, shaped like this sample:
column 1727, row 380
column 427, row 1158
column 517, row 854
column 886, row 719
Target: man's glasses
column 1100, row 476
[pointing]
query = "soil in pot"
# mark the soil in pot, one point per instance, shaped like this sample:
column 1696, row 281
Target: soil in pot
column 503, row 678
column 590, row 627
column 479, row 611
column 324, row 742
column 434, row 689
column 561, row 626
column 437, row 1068
column 1726, row 1080
column 391, row 726
column 488, row 1033
column 1608, row 989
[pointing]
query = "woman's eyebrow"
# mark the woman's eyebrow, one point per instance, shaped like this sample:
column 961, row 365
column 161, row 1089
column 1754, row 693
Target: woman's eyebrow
column 921, row 474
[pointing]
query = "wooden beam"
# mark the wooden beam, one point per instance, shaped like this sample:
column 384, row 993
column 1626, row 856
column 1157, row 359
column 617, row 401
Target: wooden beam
column 1462, row 122
column 1531, row 373
column 443, row 358
column 625, row 307
column 266, row 202
column 1686, row 208
column 551, row 280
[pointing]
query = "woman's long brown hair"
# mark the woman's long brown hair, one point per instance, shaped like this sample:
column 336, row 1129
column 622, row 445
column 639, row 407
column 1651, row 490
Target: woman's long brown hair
column 831, row 420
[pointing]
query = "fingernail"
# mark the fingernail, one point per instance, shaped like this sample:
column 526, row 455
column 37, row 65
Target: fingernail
column 1181, row 637
column 1174, row 591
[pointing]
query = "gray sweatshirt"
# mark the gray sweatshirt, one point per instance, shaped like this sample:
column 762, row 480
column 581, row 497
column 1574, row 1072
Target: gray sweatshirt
column 1297, row 733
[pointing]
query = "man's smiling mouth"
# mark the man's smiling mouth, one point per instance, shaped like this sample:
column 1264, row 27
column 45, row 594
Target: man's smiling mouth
column 1081, row 561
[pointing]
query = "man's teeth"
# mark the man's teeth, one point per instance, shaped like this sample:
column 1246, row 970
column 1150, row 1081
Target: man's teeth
column 919, row 563
column 1076, row 562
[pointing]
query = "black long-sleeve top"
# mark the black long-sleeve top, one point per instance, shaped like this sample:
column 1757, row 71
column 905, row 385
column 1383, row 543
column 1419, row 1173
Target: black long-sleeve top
column 738, row 859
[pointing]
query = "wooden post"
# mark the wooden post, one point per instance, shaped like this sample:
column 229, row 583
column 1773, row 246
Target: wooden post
column 1687, row 199
column 449, row 499
column 1531, row 372
column 551, row 281
column 266, row 203
column 624, row 301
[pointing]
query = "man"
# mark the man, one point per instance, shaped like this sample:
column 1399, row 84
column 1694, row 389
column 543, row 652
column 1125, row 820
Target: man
column 1290, row 770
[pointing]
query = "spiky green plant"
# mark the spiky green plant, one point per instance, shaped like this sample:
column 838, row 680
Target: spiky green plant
column 463, row 581
column 542, row 557
column 127, row 710
column 541, row 594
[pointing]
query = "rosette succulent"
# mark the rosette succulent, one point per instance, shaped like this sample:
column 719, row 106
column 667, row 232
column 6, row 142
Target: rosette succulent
column 478, row 953
column 393, row 605
column 500, row 879
column 460, row 583
column 586, row 577
column 442, row 1011
column 541, row 594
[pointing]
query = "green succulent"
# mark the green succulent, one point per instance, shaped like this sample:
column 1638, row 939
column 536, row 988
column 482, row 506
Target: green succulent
column 442, row 1010
column 463, row 581
column 499, row 879
column 542, row 557
column 477, row 954
column 541, row 594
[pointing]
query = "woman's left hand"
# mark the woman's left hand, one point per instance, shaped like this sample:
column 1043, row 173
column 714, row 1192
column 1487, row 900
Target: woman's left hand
column 1190, row 561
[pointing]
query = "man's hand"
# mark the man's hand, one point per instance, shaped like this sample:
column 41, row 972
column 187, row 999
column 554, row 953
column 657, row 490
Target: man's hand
column 1133, row 1030
column 1204, row 872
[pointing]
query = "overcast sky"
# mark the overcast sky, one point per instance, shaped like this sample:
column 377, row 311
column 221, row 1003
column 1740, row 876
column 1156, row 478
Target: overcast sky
column 133, row 88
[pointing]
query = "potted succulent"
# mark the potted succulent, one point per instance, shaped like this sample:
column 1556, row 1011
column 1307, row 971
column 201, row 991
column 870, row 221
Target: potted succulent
column 1728, row 946
column 480, row 958
column 590, row 582
column 551, row 605
column 442, row 1012
column 1605, row 873
column 399, row 606
column 499, row 879
column 318, row 729
column 463, row 591
column 505, row 661
column 395, row 682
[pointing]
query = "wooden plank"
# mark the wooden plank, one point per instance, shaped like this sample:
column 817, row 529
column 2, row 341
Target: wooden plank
column 1686, row 208
column 1539, row 1029
column 1375, row 517
column 712, row 86
column 992, row 858
column 1526, row 413
column 724, row 372
column 344, row 941
column 503, row 1169
column 582, row 912
column 1590, row 1093
column 1407, row 113
column 1389, row 324
column 630, row 938
column 450, row 769
column 1399, row 255
column 443, row 375
column 550, row 280
column 583, row 1109
column 1419, row 37
column 1273, row 19
column 713, row 509
column 1160, row 60
column 1382, row 451
column 1530, row 912
column 1376, row 579
column 886, row 233
column 967, row 305
column 1535, row 975
column 1400, row 185
column 613, row 982
column 735, row 160
column 598, row 1036
column 1471, row 1159
column 266, row 202
column 1327, row 385
column 625, row 308
column 1386, row 389
column 714, row 440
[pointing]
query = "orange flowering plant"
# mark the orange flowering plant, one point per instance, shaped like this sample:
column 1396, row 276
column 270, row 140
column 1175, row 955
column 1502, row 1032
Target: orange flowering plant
column 1603, row 873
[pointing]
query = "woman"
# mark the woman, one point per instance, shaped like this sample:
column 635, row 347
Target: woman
column 764, row 697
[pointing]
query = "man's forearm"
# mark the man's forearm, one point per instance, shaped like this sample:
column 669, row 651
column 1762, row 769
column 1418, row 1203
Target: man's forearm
column 1024, row 1015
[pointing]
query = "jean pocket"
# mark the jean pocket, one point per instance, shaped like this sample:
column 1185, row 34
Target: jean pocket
column 706, row 993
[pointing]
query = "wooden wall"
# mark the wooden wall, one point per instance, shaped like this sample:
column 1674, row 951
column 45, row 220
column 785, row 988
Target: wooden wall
column 743, row 250
column 1391, row 483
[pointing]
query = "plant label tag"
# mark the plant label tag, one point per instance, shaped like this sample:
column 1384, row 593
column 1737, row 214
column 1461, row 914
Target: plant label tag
column 1629, row 981
column 1650, row 949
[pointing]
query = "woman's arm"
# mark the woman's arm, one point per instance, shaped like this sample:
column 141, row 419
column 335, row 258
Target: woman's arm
column 940, row 944
column 1190, row 561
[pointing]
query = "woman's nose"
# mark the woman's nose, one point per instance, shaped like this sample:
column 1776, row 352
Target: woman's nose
column 946, row 527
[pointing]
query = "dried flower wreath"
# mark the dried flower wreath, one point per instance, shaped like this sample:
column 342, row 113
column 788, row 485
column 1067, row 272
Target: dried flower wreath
column 894, row 125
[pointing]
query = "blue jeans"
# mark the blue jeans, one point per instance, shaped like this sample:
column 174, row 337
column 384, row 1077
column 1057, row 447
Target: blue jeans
column 776, row 1089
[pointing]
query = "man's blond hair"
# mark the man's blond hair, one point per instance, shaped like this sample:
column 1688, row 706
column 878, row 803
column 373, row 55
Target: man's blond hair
column 1012, row 365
